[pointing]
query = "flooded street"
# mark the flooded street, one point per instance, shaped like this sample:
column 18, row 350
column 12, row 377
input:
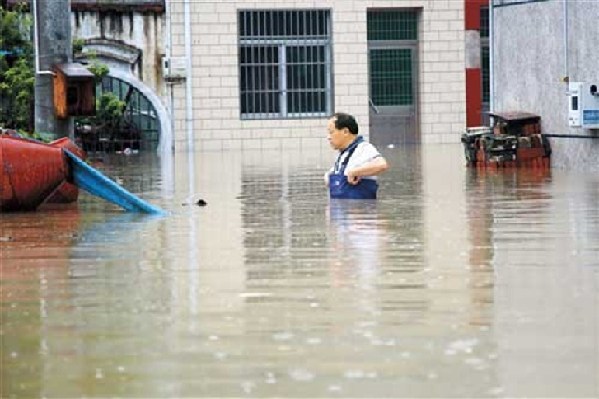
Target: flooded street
column 455, row 283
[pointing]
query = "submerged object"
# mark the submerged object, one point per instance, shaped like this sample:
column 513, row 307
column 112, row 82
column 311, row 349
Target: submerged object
column 33, row 172
column 30, row 172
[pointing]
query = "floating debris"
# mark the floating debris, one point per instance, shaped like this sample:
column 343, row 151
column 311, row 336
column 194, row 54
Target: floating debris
column 199, row 202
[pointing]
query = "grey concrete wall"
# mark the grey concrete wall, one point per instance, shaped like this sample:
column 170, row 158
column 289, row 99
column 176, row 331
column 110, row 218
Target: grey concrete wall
column 530, row 64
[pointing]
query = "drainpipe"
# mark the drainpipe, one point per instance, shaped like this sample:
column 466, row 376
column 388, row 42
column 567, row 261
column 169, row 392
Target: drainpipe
column 169, row 53
column 36, row 42
column 491, row 58
column 188, row 80
column 566, row 69
column 166, row 150
column 190, row 147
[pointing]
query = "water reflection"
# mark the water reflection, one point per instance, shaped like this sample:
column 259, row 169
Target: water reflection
column 357, row 240
column 545, row 271
column 489, row 279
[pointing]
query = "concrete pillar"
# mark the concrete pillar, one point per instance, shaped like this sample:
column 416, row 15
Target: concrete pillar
column 54, row 46
column 473, row 61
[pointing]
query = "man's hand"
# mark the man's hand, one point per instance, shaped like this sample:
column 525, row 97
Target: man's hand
column 352, row 178
column 374, row 167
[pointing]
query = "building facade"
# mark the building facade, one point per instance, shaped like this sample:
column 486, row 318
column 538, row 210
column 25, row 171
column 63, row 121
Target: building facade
column 540, row 48
column 267, row 74
column 229, row 74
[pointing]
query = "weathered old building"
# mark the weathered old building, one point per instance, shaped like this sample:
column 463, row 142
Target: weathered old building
column 128, row 36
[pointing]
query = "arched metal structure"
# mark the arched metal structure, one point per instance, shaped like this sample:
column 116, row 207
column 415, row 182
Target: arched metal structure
column 146, row 110
column 163, row 118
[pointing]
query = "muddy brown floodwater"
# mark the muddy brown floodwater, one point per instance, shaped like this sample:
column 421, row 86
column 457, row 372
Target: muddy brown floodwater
column 455, row 283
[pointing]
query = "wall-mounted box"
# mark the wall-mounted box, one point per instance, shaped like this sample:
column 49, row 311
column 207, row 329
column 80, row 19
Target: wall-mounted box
column 174, row 68
column 583, row 105
column 74, row 91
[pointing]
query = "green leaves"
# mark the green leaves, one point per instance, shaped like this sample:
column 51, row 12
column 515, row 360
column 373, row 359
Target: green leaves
column 16, row 70
column 109, row 110
column 98, row 69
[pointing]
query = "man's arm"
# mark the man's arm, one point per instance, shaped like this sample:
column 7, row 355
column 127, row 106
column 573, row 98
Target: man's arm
column 372, row 168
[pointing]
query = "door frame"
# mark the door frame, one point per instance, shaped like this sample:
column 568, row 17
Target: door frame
column 412, row 45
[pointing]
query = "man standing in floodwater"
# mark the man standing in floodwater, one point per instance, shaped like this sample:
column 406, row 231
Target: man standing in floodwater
column 353, row 176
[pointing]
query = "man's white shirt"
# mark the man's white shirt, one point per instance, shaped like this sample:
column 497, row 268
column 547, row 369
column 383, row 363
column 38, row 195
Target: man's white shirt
column 364, row 152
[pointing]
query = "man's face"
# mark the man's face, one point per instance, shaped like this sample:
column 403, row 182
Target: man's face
column 337, row 137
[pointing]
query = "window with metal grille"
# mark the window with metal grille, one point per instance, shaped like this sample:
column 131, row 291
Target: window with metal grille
column 484, row 54
column 391, row 77
column 138, row 130
column 392, row 35
column 284, row 64
column 485, row 66
column 484, row 22
column 392, row 25
column 139, row 111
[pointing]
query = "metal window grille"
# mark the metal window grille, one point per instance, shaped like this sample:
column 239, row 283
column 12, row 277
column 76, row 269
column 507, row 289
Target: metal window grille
column 485, row 75
column 392, row 25
column 484, row 22
column 484, row 53
column 141, row 129
column 139, row 111
column 391, row 76
column 285, row 64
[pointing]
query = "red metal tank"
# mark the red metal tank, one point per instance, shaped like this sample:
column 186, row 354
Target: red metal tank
column 30, row 172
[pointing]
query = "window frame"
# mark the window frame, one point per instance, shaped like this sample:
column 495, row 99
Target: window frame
column 283, row 44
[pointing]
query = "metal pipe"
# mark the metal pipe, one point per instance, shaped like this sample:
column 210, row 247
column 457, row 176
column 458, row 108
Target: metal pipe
column 491, row 58
column 519, row 3
column 168, row 147
column 570, row 136
column 188, row 79
column 566, row 69
column 36, row 42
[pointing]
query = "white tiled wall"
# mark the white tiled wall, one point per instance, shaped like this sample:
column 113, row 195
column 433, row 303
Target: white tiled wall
column 215, row 117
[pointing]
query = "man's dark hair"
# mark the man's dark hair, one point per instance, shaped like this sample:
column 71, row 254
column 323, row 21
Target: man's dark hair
column 343, row 120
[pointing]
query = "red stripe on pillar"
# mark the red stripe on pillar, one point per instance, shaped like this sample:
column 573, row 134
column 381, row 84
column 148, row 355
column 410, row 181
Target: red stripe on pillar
column 473, row 97
column 472, row 13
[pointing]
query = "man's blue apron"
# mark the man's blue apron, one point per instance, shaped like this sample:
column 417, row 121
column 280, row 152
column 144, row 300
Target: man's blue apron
column 340, row 188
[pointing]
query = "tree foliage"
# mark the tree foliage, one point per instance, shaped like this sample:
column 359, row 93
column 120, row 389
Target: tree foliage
column 17, row 77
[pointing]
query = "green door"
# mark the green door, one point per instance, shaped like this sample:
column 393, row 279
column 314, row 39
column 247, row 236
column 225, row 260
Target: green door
column 392, row 62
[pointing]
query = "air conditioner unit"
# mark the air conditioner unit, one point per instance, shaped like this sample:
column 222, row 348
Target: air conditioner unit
column 583, row 105
column 174, row 68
